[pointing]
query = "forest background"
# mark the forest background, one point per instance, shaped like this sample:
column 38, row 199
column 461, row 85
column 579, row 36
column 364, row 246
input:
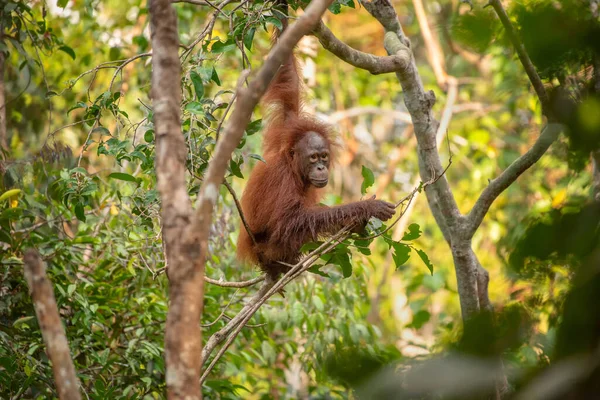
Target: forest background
column 79, row 184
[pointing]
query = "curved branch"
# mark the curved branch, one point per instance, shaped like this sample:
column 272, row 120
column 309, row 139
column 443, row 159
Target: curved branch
column 548, row 136
column 372, row 63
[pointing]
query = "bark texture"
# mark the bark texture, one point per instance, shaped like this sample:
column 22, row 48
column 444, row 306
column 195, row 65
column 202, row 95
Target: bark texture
column 57, row 347
column 183, row 336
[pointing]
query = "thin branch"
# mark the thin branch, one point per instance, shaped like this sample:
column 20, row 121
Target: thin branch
column 523, row 56
column 434, row 52
column 195, row 2
column 372, row 63
column 57, row 346
column 124, row 63
column 242, row 284
column 239, row 208
column 548, row 136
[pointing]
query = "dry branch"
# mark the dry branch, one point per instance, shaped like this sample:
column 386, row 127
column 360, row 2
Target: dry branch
column 372, row 63
column 57, row 347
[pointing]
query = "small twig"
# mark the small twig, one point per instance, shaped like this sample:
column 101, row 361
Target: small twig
column 218, row 131
column 222, row 312
column 123, row 64
column 237, row 205
column 248, row 325
column 239, row 208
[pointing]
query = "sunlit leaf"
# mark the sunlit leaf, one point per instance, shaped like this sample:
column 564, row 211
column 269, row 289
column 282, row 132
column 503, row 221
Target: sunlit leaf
column 414, row 232
column 425, row 259
column 368, row 179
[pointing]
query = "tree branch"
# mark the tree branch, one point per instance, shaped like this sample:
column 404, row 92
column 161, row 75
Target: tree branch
column 374, row 64
column 548, row 136
column 242, row 284
column 524, row 57
column 240, row 211
column 419, row 104
column 57, row 346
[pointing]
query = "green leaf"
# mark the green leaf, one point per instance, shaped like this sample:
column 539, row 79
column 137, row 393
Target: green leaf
column 401, row 253
column 222, row 47
column 253, row 127
column 9, row 193
column 249, row 38
column 420, row 319
column 343, row 260
column 149, row 135
column 368, row 179
column 316, row 269
column 79, row 213
column 101, row 129
column 257, row 157
column 235, row 169
column 71, row 289
column 414, row 232
column 268, row 352
column 198, row 86
column 335, row 8
column 318, row 303
column 215, row 77
column 123, row 177
column 274, row 21
column 23, row 321
column 80, row 104
column 363, row 246
column 297, row 313
column 194, row 107
column 68, row 50
column 426, row 261
column 62, row 3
